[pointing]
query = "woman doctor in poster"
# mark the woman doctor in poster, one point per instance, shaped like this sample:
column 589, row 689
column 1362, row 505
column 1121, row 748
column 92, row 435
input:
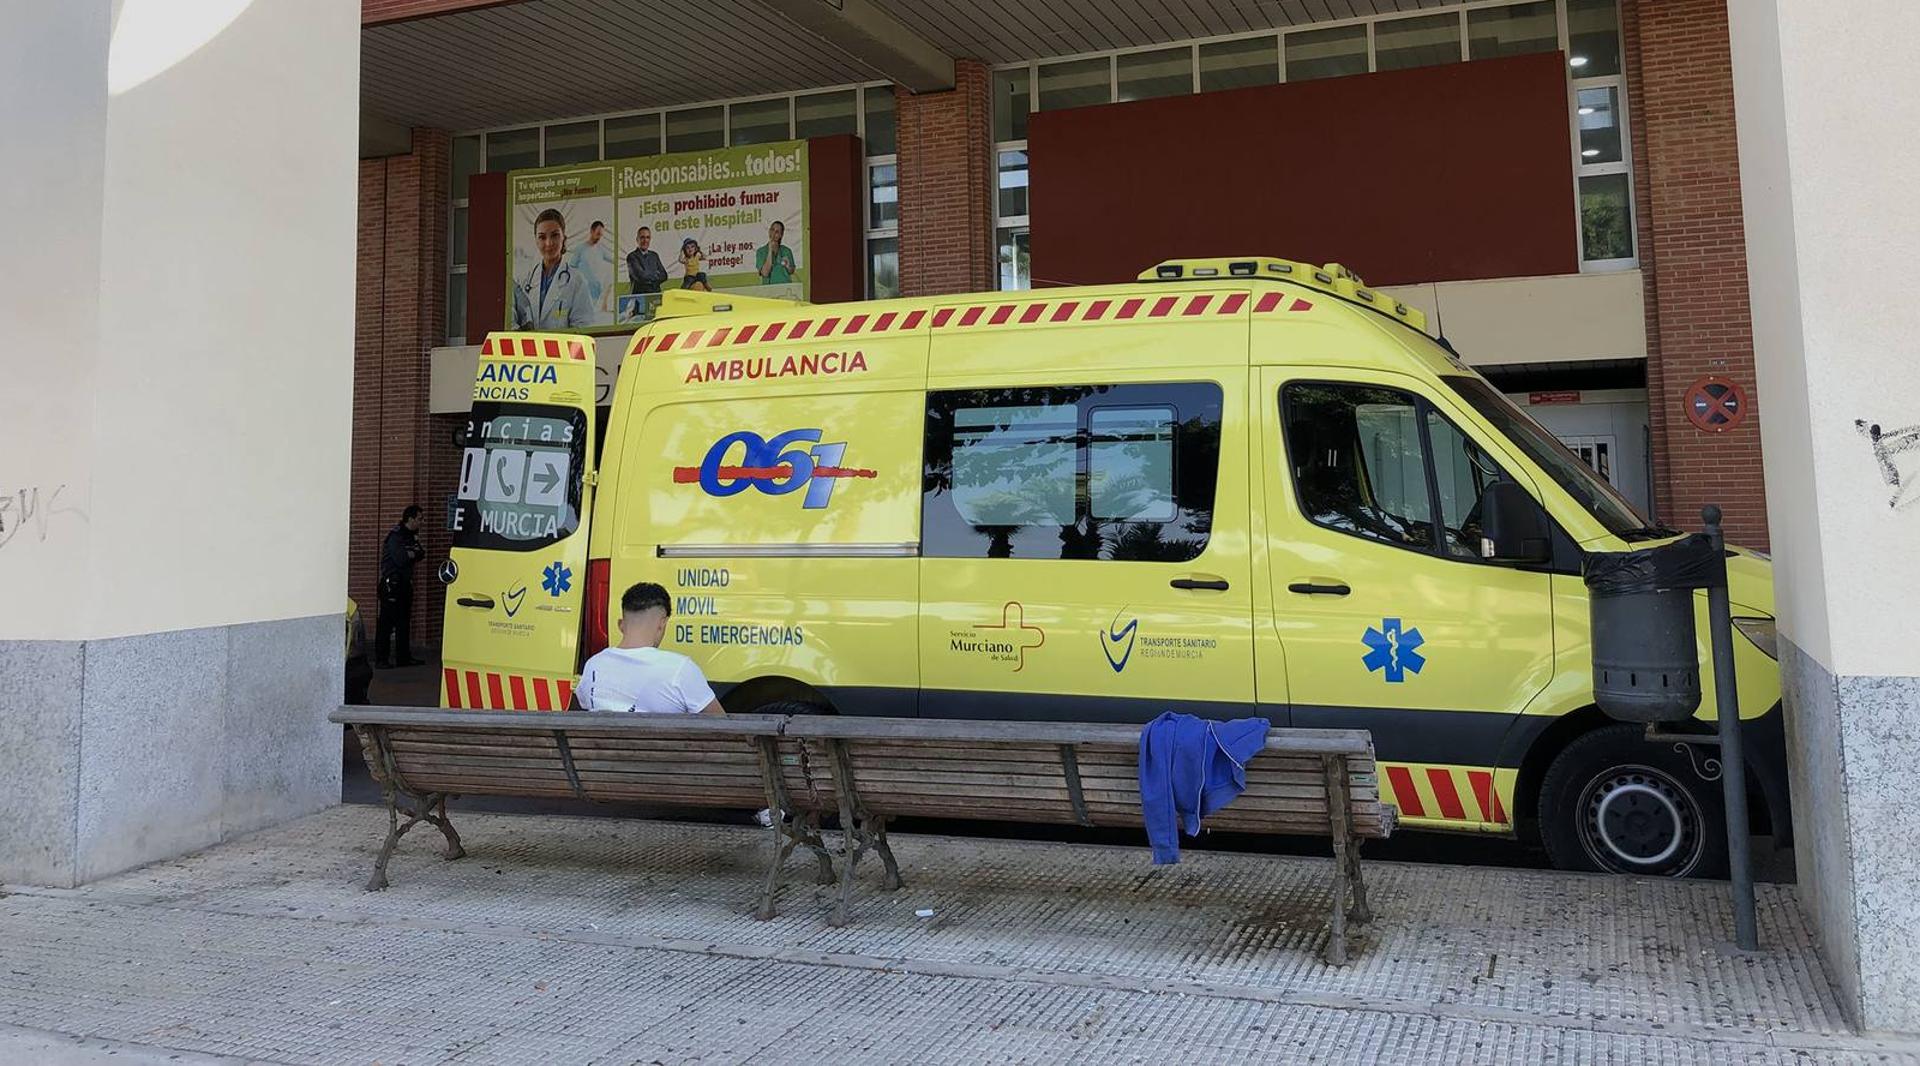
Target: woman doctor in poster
column 552, row 295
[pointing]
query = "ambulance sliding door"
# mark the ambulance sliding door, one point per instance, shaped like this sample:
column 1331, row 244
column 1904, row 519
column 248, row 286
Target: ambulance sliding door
column 1084, row 525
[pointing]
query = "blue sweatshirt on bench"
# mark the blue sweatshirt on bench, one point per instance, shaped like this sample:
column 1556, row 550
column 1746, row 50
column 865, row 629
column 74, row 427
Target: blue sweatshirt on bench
column 1189, row 768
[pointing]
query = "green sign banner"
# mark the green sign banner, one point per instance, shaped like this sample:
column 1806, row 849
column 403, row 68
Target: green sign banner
column 590, row 246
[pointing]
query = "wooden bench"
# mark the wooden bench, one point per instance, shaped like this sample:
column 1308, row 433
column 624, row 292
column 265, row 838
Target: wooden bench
column 864, row 771
column 1307, row 782
column 423, row 757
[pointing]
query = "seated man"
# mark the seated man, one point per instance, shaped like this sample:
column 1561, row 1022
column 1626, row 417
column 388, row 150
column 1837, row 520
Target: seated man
column 637, row 675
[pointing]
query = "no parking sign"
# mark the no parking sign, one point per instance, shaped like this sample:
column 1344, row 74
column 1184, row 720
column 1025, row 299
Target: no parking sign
column 1715, row 405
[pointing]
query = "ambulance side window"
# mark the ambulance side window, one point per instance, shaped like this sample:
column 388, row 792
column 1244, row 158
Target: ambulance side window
column 1462, row 471
column 1358, row 462
column 1110, row 472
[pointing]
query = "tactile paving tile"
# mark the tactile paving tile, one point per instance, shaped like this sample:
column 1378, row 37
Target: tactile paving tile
column 584, row 940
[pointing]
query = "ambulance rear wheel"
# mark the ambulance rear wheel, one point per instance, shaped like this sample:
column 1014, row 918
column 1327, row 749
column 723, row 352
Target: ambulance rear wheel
column 1614, row 803
column 791, row 707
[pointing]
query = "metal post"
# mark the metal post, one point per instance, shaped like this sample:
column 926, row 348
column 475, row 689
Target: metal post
column 1733, row 762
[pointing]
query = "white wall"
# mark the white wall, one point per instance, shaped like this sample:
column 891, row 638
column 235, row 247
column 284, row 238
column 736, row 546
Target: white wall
column 1558, row 319
column 204, row 354
column 1828, row 103
column 52, row 123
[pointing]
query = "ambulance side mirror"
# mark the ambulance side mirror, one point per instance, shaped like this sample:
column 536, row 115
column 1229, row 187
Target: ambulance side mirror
column 1513, row 526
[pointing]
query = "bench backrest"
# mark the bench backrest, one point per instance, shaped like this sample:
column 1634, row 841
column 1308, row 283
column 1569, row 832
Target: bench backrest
column 1068, row 773
column 680, row 760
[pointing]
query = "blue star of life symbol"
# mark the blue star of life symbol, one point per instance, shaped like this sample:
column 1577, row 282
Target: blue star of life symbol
column 1393, row 650
column 556, row 579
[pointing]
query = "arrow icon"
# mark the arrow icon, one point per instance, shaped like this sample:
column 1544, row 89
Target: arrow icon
column 545, row 477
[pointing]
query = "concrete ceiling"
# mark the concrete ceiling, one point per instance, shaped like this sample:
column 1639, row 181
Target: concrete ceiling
column 540, row 60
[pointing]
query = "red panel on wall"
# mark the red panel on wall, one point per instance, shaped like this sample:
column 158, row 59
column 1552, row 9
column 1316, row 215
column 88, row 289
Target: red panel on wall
column 835, row 229
column 486, row 255
column 1434, row 174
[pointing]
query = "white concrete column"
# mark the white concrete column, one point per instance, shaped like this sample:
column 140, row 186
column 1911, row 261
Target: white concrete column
column 176, row 353
column 1828, row 99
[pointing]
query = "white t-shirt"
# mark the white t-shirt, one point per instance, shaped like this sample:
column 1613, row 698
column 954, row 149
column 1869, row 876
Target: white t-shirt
column 643, row 680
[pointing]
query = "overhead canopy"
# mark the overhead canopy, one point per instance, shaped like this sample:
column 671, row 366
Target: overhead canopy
column 488, row 64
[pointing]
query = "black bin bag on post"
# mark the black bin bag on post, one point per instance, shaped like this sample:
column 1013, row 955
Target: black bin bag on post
column 1640, row 604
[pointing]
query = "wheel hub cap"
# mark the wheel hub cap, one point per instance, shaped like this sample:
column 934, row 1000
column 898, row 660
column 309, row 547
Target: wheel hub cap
column 1637, row 820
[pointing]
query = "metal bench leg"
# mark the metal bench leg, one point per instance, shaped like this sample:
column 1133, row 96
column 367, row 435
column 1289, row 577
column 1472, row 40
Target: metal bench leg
column 1361, row 913
column 784, row 840
column 891, row 881
column 850, row 850
column 454, row 850
column 379, row 879
column 395, row 830
column 821, row 856
column 1337, row 927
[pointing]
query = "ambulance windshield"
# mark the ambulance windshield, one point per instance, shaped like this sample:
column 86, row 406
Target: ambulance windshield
column 1587, row 488
column 520, row 476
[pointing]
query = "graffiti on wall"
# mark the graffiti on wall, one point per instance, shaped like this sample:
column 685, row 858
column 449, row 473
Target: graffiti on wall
column 1890, row 448
column 31, row 509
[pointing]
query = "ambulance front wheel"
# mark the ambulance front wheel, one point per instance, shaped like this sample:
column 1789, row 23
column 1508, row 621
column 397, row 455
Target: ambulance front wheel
column 1615, row 803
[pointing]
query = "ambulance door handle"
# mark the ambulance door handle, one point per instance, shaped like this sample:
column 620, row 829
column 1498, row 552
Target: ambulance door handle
column 1214, row 584
column 1311, row 588
column 483, row 602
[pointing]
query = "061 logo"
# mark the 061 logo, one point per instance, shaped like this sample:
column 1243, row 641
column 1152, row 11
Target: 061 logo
column 776, row 466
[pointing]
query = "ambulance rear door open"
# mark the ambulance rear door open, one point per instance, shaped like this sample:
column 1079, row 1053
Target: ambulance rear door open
column 517, row 570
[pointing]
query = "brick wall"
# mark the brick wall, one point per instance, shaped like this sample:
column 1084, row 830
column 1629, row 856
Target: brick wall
column 1692, row 249
column 399, row 314
column 946, row 214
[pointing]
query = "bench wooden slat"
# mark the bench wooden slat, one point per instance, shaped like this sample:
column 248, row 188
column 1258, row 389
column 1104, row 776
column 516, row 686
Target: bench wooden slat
column 747, row 725
column 1315, row 741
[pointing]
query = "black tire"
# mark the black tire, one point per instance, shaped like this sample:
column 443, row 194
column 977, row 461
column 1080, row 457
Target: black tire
column 1614, row 803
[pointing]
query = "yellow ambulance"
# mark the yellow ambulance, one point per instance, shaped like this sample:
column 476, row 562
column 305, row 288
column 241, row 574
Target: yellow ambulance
column 1232, row 487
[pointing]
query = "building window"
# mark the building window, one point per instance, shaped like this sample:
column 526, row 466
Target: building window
column 878, row 122
column 883, row 267
column 1010, row 204
column 760, row 121
column 826, row 114
column 1076, row 83
column 878, row 132
column 1602, row 151
column 883, row 196
column 1011, row 102
column 1402, row 44
column 633, row 135
column 1593, row 38
column 1239, row 64
column 696, row 129
column 469, row 158
column 1016, row 271
column 1329, row 53
column 1162, row 72
column 513, row 149
column 1519, row 29
column 572, row 142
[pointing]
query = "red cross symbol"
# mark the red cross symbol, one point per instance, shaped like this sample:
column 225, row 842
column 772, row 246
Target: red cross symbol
column 1013, row 619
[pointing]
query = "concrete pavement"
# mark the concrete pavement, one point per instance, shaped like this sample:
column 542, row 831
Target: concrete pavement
column 601, row 941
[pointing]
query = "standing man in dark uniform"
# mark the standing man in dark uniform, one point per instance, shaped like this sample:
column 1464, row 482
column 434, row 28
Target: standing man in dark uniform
column 397, row 556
